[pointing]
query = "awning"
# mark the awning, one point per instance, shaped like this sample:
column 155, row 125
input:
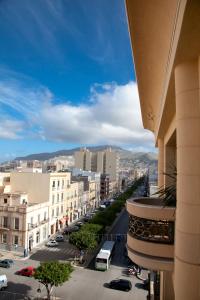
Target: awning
column 63, row 220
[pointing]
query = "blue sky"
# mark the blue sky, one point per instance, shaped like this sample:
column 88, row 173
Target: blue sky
column 66, row 77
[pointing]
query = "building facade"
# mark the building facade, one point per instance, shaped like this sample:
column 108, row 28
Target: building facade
column 34, row 206
column 166, row 48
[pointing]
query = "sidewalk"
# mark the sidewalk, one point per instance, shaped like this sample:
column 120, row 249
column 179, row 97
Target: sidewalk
column 4, row 254
column 16, row 255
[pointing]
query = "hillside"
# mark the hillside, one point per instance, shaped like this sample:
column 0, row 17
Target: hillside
column 128, row 159
column 48, row 155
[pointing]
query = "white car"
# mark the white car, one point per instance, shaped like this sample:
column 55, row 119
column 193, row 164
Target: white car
column 3, row 282
column 51, row 243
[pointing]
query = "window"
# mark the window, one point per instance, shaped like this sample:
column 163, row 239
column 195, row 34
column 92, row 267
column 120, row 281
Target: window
column 71, row 205
column 4, row 238
column 61, row 208
column 44, row 233
column 57, row 211
column 24, row 201
column 17, row 223
column 5, row 200
column 62, row 197
column 31, row 220
column 45, row 215
column 75, row 204
column 16, row 239
column 5, row 222
column 52, row 213
column 53, row 184
column 37, row 237
column 58, row 198
column 53, row 199
column 38, row 218
column 58, row 184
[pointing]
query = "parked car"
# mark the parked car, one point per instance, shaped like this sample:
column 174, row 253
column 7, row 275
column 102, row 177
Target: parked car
column 51, row 243
column 121, row 284
column 5, row 264
column 71, row 229
column 60, row 238
column 102, row 206
column 10, row 261
column 3, row 282
column 79, row 224
column 28, row 271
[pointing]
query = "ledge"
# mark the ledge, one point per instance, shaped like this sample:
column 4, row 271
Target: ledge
column 150, row 208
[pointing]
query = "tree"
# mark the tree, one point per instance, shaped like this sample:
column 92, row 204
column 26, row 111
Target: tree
column 52, row 274
column 83, row 240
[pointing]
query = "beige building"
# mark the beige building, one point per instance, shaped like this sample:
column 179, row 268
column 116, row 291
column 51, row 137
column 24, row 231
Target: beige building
column 83, row 159
column 40, row 204
column 23, row 225
column 104, row 162
column 45, row 187
column 91, row 183
column 72, row 208
column 165, row 38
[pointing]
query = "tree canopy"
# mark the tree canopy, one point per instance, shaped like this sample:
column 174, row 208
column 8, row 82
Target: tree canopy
column 53, row 274
column 83, row 240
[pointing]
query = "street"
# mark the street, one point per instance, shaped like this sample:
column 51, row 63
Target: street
column 87, row 284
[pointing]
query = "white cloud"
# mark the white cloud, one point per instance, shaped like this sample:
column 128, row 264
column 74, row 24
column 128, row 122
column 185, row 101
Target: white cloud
column 10, row 129
column 111, row 115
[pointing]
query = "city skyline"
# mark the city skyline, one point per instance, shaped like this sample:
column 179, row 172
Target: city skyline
column 69, row 81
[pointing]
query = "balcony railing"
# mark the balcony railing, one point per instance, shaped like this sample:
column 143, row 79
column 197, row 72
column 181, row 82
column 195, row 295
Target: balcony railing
column 152, row 230
column 32, row 226
column 150, row 238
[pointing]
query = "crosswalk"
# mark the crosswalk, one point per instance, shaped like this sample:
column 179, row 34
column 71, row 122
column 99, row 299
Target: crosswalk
column 63, row 251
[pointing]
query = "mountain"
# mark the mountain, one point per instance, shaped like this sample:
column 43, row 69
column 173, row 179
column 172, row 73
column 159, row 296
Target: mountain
column 47, row 155
column 124, row 154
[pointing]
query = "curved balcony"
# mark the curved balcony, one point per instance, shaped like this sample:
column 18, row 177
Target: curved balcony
column 150, row 237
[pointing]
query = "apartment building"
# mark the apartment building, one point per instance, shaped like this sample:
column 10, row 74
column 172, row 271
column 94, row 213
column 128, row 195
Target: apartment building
column 44, row 187
column 166, row 48
column 83, row 159
column 23, row 225
column 73, row 210
column 105, row 186
column 91, row 182
column 40, row 202
column 104, row 162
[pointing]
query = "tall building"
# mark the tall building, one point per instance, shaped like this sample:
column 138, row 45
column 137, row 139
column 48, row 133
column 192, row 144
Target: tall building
column 83, row 159
column 104, row 162
column 166, row 49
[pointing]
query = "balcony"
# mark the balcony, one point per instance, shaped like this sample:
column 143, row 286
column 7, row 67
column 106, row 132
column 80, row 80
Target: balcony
column 150, row 238
column 35, row 225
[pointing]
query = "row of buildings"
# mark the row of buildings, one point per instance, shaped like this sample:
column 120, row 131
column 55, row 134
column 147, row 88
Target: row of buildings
column 35, row 205
column 38, row 199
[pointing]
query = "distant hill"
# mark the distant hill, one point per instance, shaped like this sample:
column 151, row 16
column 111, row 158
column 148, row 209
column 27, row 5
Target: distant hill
column 47, row 155
column 124, row 154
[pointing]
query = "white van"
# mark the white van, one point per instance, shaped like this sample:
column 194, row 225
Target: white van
column 3, row 282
